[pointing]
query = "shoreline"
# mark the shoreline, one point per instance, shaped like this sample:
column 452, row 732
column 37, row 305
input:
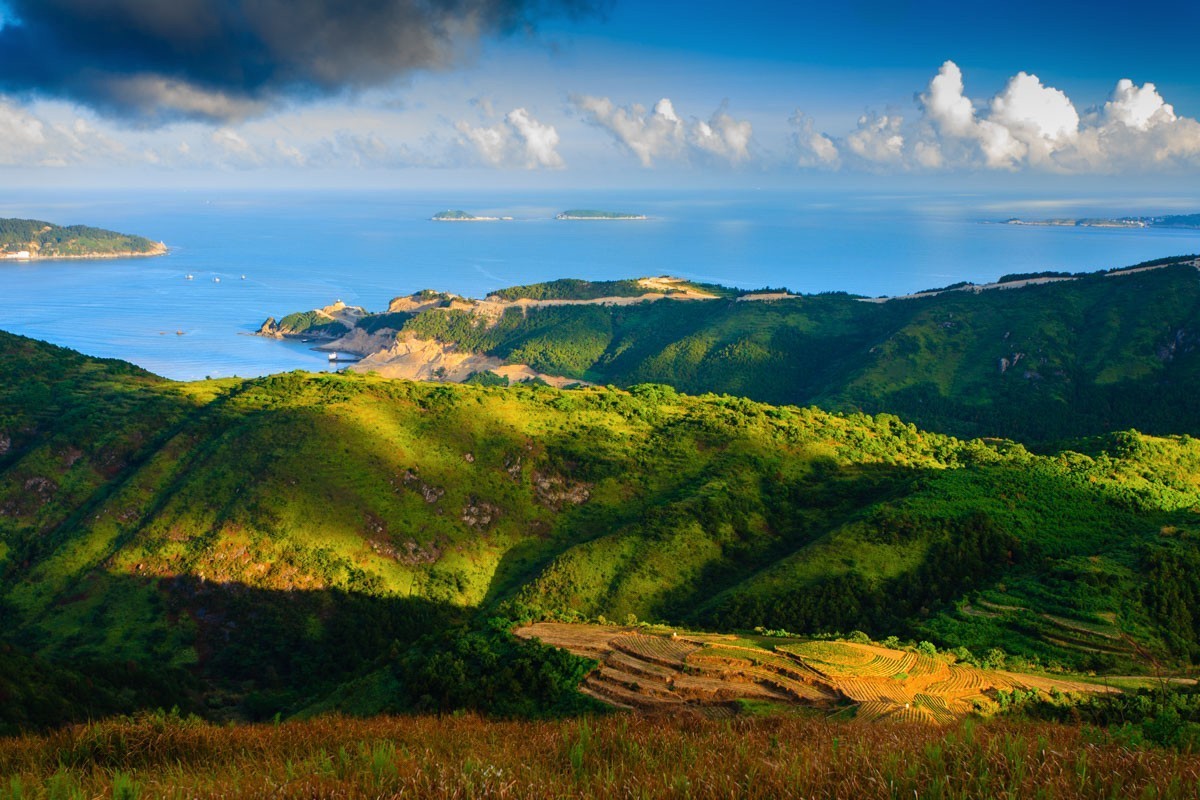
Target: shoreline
column 87, row 256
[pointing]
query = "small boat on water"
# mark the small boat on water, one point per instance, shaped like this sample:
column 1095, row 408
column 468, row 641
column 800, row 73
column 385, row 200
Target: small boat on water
column 189, row 277
column 216, row 280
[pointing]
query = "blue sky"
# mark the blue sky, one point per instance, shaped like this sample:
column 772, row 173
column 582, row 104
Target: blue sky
column 700, row 93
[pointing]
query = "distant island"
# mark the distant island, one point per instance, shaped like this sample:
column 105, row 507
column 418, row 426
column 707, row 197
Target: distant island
column 1164, row 221
column 456, row 215
column 31, row 239
column 584, row 213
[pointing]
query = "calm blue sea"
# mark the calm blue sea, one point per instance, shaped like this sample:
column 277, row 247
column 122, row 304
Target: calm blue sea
column 299, row 251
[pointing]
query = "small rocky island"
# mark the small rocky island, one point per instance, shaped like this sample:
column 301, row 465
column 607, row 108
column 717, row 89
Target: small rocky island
column 590, row 214
column 457, row 215
column 31, row 239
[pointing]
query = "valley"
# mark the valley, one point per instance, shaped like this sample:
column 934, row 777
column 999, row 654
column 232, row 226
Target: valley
column 303, row 542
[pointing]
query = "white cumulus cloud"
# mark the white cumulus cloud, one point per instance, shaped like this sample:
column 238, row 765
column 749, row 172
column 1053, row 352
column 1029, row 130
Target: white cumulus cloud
column 878, row 139
column 1138, row 107
column 27, row 139
column 813, row 149
column 1027, row 124
column 661, row 134
column 22, row 136
column 1040, row 117
column 538, row 141
column 517, row 140
column 723, row 136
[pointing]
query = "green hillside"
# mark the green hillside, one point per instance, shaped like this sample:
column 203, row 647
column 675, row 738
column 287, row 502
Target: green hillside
column 1040, row 364
column 248, row 547
column 46, row 240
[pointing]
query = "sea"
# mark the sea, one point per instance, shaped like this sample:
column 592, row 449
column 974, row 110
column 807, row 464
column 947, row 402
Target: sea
column 254, row 255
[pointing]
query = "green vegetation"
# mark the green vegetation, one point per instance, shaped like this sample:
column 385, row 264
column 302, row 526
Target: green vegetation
column 1012, row 277
column 1043, row 364
column 316, row 323
column 572, row 289
column 243, row 548
column 453, row 215
column 46, row 240
column 1177, row 221
column 487, row 378
column 388, row 321
column 1167, row 716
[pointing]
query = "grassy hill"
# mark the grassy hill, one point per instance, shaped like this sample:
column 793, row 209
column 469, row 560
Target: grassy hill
column 247, row 547
column 46, row 240
column 1041, row 364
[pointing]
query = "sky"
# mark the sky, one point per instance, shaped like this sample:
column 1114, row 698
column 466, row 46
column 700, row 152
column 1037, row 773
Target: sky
column 598, row 93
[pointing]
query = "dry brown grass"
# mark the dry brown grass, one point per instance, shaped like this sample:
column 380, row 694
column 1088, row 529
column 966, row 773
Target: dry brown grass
column 619, row 756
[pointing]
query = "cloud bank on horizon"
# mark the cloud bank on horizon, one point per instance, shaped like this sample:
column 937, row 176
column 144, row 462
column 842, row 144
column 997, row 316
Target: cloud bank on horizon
column 1025, row 125
column 156, row 61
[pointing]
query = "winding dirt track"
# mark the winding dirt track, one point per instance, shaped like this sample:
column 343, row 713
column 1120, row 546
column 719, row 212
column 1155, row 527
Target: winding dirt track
column 644, row 671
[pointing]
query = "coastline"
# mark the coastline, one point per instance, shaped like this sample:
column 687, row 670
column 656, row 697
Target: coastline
column 164, row 250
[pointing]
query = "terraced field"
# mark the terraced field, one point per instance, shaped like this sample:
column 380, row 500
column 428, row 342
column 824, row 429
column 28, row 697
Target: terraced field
column 1094, row 636
column 657, row 672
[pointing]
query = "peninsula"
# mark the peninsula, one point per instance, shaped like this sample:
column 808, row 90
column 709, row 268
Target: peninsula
column 590, row 214
column 1164, row 221
column 31, row 239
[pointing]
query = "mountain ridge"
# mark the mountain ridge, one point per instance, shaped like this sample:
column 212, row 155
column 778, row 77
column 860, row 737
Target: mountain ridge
column 1041, row 357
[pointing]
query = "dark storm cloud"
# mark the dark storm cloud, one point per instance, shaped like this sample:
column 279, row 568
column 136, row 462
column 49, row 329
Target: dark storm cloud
column 159, row 60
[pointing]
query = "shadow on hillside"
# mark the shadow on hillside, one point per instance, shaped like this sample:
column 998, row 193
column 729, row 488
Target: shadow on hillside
column 257, row 652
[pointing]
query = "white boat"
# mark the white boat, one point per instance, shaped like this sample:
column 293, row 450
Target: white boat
column 216, row 280
column 189, row 277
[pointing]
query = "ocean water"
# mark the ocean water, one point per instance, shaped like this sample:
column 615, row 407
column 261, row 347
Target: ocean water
column 299, row 251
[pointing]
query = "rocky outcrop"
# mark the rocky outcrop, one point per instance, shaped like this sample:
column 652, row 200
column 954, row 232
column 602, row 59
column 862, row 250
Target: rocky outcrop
column 360, row 343
column 479, row 514
column 555, row 492
column 427, row 360
column 1009, row 362
column 431, row 493
column 270, row 329
column 1180, row 342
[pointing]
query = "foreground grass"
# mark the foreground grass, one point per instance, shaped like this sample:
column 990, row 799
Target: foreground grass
column 615, row 756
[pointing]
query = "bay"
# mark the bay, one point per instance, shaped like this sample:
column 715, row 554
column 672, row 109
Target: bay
column 302, row 250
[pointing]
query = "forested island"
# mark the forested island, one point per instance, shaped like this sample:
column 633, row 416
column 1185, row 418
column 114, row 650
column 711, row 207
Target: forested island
column 29, row 239
column 457, row 215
